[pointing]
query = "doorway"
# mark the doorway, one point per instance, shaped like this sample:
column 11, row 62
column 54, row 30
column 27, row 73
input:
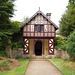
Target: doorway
column 38, row 48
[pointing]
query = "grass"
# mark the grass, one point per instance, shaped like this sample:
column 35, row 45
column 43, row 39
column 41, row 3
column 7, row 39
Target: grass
column 4, row 65
column 19, row 70
column 66, row 68
column 10, row 60
column 1, row 58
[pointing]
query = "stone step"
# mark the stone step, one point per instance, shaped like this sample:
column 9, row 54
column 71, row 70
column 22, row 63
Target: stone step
column 38, row 57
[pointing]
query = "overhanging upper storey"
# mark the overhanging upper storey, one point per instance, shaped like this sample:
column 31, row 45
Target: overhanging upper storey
column 39, row 25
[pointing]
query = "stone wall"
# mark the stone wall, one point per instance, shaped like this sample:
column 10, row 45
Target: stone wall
column 58, row 54
column 15, row 53
column 18, row 53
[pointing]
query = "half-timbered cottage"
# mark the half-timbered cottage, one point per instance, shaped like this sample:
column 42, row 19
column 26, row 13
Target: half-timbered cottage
column 38, row 33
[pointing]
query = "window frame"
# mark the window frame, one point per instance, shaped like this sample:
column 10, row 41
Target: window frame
column 36, row 28
column 39, row 30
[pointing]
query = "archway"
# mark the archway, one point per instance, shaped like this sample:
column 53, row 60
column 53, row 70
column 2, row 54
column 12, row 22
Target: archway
column 38, row 48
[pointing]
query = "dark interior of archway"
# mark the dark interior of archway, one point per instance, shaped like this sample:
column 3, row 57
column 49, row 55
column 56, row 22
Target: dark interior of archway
column 38, row 48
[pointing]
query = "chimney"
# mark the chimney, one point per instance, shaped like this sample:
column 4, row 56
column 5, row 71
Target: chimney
column 48, row 15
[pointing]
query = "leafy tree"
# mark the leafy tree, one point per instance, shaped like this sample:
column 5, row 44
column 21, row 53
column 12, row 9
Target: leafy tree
column 16, row 30
column 71, row 45
column 18, row 41
column 71, row 4
column 67, row 23
column 25, row 19
column 15, row 26
column 6, row 12
column 8, row 29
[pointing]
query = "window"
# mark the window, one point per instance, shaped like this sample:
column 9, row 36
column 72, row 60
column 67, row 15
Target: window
column 41, row 28
column 38, row 28
column 35, row 28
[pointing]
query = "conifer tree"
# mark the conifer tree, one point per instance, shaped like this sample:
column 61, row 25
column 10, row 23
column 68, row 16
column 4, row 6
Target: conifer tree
column 67, row 22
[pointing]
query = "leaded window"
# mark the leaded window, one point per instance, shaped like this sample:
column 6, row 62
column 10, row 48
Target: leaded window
column 35, row 28
column 39, row 28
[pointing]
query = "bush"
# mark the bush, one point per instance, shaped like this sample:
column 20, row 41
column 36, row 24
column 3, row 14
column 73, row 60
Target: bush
column 71, row 45
column 1, row 58
column 4, row 65
column 3, row 40
column 64, row 47
column 10, row 60
column 59, row 42
column 2, row 53
column 16, row 45
column 65, row 59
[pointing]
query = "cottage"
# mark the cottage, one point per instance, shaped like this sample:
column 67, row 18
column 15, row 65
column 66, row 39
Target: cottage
column 38, row 33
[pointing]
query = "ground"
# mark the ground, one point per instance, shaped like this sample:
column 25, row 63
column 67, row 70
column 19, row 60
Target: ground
column 8, row 64
column 41, row 67
column 65, row 66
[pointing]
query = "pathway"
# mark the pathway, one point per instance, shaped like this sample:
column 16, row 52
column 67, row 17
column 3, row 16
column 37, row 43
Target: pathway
column 41, row 67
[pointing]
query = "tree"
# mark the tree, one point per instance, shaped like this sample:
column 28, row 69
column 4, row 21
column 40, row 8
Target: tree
column 16, row 30
column 18, row 41
column 71, row 45
column 6, row 12
column 59, row 42
column 67, row 22
column 15, row 26
column 8, row 29
column 25, row 19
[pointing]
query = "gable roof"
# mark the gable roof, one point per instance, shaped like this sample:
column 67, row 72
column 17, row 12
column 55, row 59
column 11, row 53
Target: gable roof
column 39, row 12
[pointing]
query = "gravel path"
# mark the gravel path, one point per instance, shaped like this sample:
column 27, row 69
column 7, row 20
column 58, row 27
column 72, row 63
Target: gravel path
column 41, row 67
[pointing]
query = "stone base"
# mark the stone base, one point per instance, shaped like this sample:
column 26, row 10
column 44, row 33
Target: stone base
column 32, row 56
column 50, row 56
column 26, row 56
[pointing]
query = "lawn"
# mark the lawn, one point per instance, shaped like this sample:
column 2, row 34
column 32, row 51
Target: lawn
column 66, row 67
column 19, row 70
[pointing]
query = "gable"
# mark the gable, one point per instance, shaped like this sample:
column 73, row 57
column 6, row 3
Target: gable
column 39, row 18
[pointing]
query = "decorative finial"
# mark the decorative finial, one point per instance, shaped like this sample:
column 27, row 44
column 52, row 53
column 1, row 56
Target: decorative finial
column 39, row 8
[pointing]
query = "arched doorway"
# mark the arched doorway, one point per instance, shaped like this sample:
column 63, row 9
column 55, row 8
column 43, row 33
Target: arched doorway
column 38, row 48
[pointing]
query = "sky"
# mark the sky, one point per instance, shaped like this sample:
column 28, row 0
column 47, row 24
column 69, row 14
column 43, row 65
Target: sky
column 27, row 8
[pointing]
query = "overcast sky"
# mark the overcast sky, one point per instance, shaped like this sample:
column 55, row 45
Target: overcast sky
column 30, row 7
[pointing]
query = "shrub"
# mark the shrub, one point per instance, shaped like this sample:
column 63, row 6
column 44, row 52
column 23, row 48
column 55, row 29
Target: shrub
column 2, row 53
column 1, row 58
column 4, row 65
column 10, row 60
column 59, row 42
column 71, row 45
column 16, row 45
column 64, row 47
column 65, row 59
